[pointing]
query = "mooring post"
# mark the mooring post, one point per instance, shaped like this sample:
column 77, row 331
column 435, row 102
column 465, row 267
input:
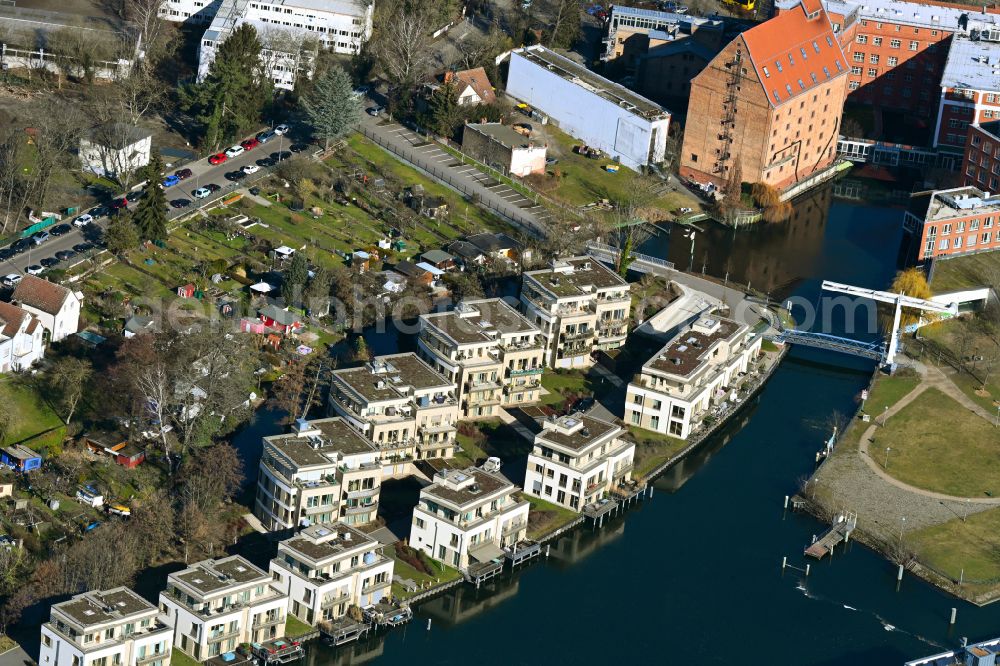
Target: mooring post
column 954, row 613
column 428, row 624
column 899, row 574
column 547, row 547
column 786, row 501
column 807, row 570
column 784, row 562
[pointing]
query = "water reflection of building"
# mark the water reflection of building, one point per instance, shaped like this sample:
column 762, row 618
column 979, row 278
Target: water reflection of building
column 466, row 602
column 352, row 654
column 581, row 543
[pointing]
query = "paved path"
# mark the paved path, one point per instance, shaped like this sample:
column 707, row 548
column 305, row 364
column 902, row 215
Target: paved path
column 15, row 657
column 933, row 377
column 427, row 155
column 508, row 419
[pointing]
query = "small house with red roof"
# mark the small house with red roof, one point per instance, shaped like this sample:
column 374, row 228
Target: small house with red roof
column 280, row 319
column 55, row 306
column 769, row 102
column 472, row 86
column 21, row 338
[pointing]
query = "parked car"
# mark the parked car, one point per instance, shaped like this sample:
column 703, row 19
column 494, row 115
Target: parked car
column 375, row 111
column 283, row 155
column 254, row 191
column 48, row 262
column 212, row 187
column 170, row 181
column 298, row 147
column 21, row 245
column 7, row 253
column 134, row 196
column 250, row 144
column 551, row 160
column 251, row 168
column 361, row 91
column 83, row 220
column 235, row 176
column 63, row 255
column 41, row 237
column 282, row 129
column 583, row 404
column 60, row 230
column 80, row 248
column 265, row 136
column 234, row 151
column 685, row 210
column 11, row 279
column 201, row 193
column 99, row 211
column 218, row 158
column 118, row 204
column 180, row 203
column 265, row 162
column 34, row 269
column 183, row 174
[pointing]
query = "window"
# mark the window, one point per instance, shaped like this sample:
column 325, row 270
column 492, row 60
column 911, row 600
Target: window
column 958, row 243
column 985, row 238
column 859, row 56
column 894, row 43
column 778, row 65
column 419, row 522
column 654, row 423
column 877, row 41
column 856, row 71
column 676, row 428
column 872, row 72
column 946, row 229
column 974, row 225
column 873, row 58
column 862, row 39
column 853, row 85
column 635, row 418
column 694, row 157
column 893, row 61
column 914, row 46
column 767, row 74
column 943, row 245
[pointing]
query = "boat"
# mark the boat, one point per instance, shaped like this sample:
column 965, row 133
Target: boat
column 277, row 651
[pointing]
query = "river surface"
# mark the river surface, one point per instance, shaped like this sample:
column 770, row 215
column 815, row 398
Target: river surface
column 693, row 575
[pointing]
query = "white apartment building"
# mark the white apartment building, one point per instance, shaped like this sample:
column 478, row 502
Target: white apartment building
column 327, row 568
column 21, row 338
column 113, row 627
column 695, row 371
column 215, row 605
column 55, row 306
column 577, row 459
column 291, row 31
column 468, row 516
column 408, row 409
column 321, row 472
column 580, row 306
column 491, row 352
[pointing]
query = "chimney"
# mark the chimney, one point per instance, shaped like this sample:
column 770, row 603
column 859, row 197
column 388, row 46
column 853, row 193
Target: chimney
column 449, row 76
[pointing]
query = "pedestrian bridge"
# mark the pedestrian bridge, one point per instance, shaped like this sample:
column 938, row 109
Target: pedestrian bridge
column 872, row 350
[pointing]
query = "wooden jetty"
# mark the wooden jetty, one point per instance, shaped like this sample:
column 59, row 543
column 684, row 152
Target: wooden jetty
column 840, row 531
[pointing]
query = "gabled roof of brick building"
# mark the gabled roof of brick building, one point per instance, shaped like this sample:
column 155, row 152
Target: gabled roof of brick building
column 794, row 52
column 41, row 294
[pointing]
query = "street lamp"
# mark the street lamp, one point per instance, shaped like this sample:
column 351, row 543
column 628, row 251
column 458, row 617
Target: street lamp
column 690, row 234
column 886, row 465
column 885, row 415
column 966, row 514
column 902, row 526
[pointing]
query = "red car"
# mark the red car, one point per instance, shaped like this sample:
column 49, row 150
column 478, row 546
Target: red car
column 218, row 158
column 119, row 203
column 250, row 144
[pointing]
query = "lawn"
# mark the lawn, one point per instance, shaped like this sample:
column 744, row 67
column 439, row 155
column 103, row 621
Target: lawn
column 545, row 517
column 652, row 450
column 178, row 658
column 294, row 627
column 490, row 438
column 966, row 338
column 966, row 272
column 971, row 546
column 31, row 415
column 471, row 452
column 444, row 574
column 936, row 444
column 562, row 384
column 886, row 391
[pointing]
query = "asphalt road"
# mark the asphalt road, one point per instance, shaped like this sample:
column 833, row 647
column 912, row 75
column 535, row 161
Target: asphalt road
column 203, row 174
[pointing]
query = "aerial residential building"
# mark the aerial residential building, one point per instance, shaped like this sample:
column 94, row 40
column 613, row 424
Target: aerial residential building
column 501, row 147
column 970, row 88
column 409, row 410
column 114, row 626
column 55, row 306
column 599, row 112
column 580, row 306
column 321, row 472
column 771, row 100
column 491, row 352
column 292, row 32
column 472, row 86
column 635, row 31
column 329, row 567
column 215, row 605
column 962, row 220
column 116, row 150
column 577, row 459
column 981, row 165
column 468, row 516
column 698, row 369
column 21, row 338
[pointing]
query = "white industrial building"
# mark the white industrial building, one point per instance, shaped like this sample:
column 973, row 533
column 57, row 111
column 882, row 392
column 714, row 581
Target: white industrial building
column 291, row 31
column 599, row 112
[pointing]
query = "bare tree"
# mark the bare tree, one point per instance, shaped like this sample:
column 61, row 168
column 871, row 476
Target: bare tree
column 401, row 43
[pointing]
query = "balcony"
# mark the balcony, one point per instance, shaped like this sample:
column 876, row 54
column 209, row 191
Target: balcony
column 330, row 602
column 525, row 371
column 360, row 509
column 364, row 493
column 488, row 385
column 364, row 467
column 216, row 636
column 371, row 587
column 594, row 487
column 267, row 621
column 150, row 657
column 576, row 335
column 514, row 528
column 624, row 469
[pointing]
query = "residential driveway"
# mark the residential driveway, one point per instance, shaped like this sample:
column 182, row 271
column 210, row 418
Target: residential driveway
column 466, row 178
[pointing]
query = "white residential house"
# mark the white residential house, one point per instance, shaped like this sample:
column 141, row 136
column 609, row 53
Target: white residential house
column 215, row 605
column 329, row 567
column 493, row 354
column 580, row 306
column 292, row 32
column 321, row 472
column 113, row 627
column 697, row 370
column 21, row 338
column 578, row 459
column 57, row 307
column 468, row 516
column 116, row 150
column 408, row 409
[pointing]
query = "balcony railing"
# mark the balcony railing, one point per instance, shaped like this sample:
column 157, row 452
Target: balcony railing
column 364, row 508
column 525, row 371
column 223, row 635
column 514, row 528
column 150, row 657
column 266, row 621
column 577, row 335
column 594, row 487
column 363, row 493
column 371, row 587
column 330, row 602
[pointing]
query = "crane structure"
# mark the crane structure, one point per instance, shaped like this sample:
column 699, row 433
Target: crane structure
column 900, row 301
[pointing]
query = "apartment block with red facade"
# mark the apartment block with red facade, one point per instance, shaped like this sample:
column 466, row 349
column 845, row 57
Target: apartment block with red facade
column 981, row 165
column 962, row 220
column 970, row 87
column 771, row 101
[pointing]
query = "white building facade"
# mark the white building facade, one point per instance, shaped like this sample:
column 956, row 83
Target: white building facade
column 117, row 150
column 21, row 339
column 291, row 31
column 599, row 112
column 215, row 605
column 576, row 460
column 105, row 628
column 468, row 516
column 327, row 568
column 55, row 306
column 698, row 369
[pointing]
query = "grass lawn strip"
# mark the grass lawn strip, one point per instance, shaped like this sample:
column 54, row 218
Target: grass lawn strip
column 545, row 517
column 294, row 627
column 971, row 546
column 443, row 574
column 652, row 450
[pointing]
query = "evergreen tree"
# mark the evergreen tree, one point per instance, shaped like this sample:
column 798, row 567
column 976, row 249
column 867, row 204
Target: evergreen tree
column 445, row 113
column 294, row 280
column 330, row 105
column 121, row 236
column 230, row 100
column 151, row 214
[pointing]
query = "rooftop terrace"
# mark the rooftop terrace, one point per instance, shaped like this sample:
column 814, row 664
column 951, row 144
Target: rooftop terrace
column 392, row 377
column 211, row 576
column 318, row 442
column 326, row 540
column 479, row 321
column 464, row 487
column 960, row 202
column 685, row 351
column 575, row 431
column 94, row 608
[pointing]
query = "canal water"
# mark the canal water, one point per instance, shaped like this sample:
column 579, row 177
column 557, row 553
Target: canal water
column 693, row 575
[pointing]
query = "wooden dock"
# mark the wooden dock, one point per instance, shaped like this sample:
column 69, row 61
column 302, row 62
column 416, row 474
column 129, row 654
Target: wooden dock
column 840, row 532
